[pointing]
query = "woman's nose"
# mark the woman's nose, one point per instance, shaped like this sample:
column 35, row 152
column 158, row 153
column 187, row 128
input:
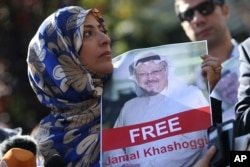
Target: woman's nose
column 104, row 39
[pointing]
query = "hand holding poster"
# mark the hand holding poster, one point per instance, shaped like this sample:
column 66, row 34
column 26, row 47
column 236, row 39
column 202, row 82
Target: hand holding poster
column 160, row 116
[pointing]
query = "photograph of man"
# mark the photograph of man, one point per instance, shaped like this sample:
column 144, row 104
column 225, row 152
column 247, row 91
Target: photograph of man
column 159, row 94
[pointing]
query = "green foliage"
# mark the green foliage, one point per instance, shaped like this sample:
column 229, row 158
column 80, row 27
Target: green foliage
column 132, row 24
column 136, row 24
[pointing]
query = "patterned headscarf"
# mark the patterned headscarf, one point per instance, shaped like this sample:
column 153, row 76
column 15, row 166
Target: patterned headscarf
column 63, row 83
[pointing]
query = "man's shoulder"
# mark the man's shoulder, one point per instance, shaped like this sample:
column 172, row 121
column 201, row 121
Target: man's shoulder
column 134, row 100
column 232, row 62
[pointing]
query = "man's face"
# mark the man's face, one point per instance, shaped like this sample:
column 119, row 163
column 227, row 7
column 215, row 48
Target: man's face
column 203, row 26
column 152, row 77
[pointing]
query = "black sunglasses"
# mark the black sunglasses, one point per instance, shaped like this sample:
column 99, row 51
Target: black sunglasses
column 204, row 8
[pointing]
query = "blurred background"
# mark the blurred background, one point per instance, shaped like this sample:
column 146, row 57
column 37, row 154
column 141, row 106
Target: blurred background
column 132, row 24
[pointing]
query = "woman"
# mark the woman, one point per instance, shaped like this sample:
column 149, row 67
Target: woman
column 68, row 59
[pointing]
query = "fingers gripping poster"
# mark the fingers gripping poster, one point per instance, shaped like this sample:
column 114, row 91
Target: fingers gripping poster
column 156, row 108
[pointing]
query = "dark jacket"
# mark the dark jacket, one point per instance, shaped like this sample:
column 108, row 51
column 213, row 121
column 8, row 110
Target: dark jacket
column 242, row 107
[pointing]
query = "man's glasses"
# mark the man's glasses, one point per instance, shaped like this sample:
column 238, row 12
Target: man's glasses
column 152, row 73
column 204, row 8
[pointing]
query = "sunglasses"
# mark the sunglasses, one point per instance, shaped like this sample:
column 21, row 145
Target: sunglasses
column 204, row 8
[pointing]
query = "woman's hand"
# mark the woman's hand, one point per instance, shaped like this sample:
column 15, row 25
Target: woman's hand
column 211, row 70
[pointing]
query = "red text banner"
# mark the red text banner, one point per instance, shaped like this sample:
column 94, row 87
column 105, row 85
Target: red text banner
column 184, row 122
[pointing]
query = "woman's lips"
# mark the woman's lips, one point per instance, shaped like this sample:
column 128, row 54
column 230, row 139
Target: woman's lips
column 106, row 54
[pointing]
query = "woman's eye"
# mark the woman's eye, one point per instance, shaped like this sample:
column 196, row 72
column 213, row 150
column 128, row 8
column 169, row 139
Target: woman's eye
column 104, row 30
column 87, row 33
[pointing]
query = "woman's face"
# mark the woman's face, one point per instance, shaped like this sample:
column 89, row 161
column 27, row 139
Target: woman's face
column 95, row 52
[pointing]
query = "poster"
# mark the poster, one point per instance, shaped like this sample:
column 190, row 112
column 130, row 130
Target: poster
column 229, row 80
column 154, row 114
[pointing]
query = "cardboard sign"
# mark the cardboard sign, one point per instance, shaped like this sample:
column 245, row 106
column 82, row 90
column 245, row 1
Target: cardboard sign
column 154, row 113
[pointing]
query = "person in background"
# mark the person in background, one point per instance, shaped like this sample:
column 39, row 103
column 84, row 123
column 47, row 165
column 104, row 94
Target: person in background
column 69, row 59
column 207, row 20
column 242, row 107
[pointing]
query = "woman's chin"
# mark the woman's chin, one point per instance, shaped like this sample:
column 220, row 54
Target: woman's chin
column 105, row 69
